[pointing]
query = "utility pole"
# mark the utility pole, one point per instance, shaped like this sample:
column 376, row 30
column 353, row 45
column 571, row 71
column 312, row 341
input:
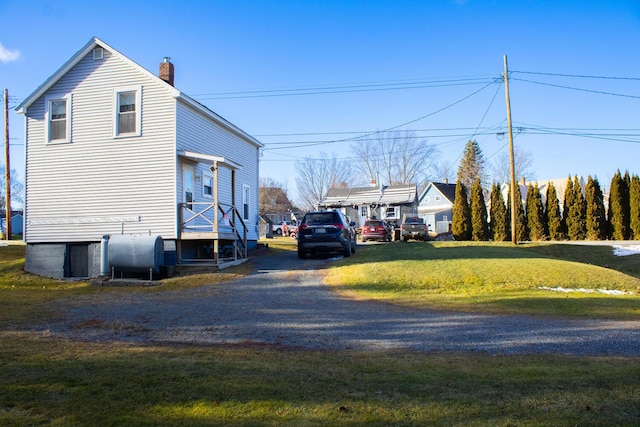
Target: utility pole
column 514, row 238
column 7, row 166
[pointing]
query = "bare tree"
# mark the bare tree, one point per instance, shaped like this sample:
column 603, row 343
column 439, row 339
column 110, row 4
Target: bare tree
column 274, row 197
column 17, row 189
column 501, row 167
column 444, row 171
column 316, row 175
column 397, row 157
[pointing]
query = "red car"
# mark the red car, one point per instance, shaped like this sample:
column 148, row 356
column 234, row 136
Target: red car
column 376, row 229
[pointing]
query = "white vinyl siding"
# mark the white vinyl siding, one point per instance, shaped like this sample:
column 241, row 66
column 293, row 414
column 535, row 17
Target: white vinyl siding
column 99, row 185
column 198, row 133
column 58, row 119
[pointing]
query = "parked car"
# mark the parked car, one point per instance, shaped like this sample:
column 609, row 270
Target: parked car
column 413, row 228
column 277, row 228
column 326, row 232
column 376, row 229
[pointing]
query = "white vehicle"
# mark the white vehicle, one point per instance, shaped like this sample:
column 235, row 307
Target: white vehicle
column 277, row 228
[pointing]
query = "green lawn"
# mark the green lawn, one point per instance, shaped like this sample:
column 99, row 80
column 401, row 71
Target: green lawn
column 46, row 381
column 498, row 278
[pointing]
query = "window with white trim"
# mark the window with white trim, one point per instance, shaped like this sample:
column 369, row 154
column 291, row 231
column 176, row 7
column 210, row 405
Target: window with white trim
column 127, row 112
column 438, row 199
column 58, row 116
column 392, row 212
column 245, row 201
column 207, row 185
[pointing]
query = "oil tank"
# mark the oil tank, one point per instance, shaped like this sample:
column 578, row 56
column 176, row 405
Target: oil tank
column 136, row 252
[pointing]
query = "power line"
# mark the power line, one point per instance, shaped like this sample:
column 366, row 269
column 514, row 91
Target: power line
column 397, row 126
column 319, row 90
column 578, row 89
column 581, row 76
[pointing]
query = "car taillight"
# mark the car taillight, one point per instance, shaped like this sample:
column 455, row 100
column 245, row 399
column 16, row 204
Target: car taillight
column 339, row 225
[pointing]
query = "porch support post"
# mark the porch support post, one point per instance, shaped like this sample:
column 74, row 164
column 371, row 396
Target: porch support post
column 216, row 227
column 234, row 211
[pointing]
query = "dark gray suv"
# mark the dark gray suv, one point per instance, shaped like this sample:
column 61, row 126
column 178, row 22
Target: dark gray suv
column 325, row 232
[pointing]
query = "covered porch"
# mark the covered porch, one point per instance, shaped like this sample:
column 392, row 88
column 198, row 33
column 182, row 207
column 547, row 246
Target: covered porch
column 211, row 232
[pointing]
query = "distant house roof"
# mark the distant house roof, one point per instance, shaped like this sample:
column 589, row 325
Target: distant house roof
column 383, row 195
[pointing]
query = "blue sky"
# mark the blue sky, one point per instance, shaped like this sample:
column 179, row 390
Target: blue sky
column 331, row 54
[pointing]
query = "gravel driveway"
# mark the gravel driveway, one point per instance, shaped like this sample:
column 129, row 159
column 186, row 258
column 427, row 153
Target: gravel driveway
column 284, row 303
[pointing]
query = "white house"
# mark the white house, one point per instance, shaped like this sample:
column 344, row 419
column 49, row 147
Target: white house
column 113, row 149
column 388, row 202
column 435, row 205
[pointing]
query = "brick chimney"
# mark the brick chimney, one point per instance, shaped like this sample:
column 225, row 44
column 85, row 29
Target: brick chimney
column 522, row 181
column 166, row 70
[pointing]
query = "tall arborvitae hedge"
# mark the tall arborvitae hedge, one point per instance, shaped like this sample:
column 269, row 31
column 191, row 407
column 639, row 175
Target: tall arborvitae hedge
column 553, row 219
column 479, row 225
column 498, row 228
column 461, row 221
column 568, row 201
column 596, row 220
column 634, row 207
column 618, row 208
column 576, row 220
column 627, row 204
column 535, row 213
column 522, row 232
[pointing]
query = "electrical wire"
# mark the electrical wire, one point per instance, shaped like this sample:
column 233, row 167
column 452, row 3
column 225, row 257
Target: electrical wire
column 390, row 128
column 341, row 89
column 580, row 76
column 577, row 88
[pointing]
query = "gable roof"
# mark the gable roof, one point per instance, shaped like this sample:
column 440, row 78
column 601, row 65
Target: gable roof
column 447, row 190
column 172, row 91
column 383, row 195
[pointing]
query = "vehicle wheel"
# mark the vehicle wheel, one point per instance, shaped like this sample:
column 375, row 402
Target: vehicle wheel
column 347, row 251
column 278, row 231
column 293, row 235
column 363, row 239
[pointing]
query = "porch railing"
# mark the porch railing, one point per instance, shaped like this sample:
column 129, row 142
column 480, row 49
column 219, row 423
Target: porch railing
column 199, row 217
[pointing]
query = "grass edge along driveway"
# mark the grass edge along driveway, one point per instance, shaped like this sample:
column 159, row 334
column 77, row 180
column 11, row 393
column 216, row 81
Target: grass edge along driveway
column 534, row 278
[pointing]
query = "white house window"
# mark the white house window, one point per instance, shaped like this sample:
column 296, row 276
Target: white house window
column 364, row 211
column 392, row 212
column 207, row 185
column 127, row 112
column 58, row 114
column 245, row 201
column 438, row 198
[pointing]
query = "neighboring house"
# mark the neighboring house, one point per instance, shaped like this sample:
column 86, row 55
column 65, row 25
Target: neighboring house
column 112, row 148
column 384, row 202
column 17, row 220
column 435, row 205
